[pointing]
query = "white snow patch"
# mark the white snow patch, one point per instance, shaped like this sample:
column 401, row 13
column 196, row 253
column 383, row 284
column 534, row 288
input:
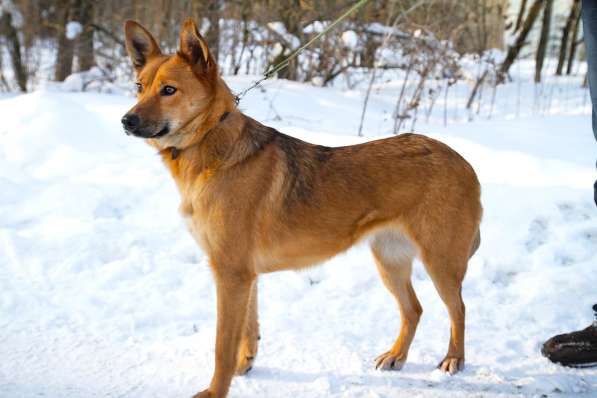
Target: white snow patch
column 315, row 27
column 73, row 29
column 350, row 39
column 280, row 29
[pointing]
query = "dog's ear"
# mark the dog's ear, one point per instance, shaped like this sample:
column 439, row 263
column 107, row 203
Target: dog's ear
column 194, row 48
column 140, row 44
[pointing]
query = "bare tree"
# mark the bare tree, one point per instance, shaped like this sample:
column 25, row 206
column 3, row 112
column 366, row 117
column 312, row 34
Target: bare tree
column 245, row 11
column 573, row 42
column 66, row 46
column 212, row 11
column 514, row 49
column 519, row 18
column 543, row 39
column 8, row 30
column 574, row 9
column 85, row 53
column 247, row 35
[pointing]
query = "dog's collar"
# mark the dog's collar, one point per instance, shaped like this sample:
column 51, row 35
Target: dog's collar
column 175, row 152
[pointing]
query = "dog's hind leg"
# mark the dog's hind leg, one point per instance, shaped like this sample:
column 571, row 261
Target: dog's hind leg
column 250, row 340
column 393, row 254
column 447, row 272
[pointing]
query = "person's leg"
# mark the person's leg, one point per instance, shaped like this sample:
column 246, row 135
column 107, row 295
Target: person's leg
column 579, row 349
column 589, row 22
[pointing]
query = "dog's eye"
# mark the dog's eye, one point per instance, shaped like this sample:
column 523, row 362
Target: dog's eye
column 139, row 87
column 168, row 90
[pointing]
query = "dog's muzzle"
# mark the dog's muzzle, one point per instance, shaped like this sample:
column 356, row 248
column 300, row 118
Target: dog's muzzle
column 130, row 122
column 132, row 126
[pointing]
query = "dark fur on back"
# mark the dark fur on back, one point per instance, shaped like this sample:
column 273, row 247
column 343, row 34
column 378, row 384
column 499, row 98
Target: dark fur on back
column 303, row 160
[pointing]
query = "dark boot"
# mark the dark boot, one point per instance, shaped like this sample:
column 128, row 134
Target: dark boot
column 576, row 349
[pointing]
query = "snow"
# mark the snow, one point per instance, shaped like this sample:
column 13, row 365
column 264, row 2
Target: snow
column 94, row 79
column 277, row 50
column 280, row 29
column 316, row 27
column 73, row 29
column 350, row 39
column 104, row 293
column 7, row 6
column 376, row 27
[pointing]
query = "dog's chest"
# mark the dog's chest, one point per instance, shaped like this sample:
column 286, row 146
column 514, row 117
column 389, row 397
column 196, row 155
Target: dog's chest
column 196, row 229
column 194, row 205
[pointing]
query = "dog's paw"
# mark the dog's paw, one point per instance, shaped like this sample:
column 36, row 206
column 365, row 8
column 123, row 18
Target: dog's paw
column 244, row 365
column 390, row 361
column 204, row 394
column 451, row 365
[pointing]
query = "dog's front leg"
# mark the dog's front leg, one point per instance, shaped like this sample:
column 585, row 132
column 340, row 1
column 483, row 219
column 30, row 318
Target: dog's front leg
column 233, row 290
column 247, row 350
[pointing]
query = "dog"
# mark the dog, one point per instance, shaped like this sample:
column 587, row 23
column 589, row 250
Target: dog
column 259, row 201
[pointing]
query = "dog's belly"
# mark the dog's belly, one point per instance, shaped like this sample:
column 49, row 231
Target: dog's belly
column 266, row 264
column 298, row 252
column 305, row 250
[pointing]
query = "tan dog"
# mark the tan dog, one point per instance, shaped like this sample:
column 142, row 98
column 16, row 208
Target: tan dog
column 259, row 201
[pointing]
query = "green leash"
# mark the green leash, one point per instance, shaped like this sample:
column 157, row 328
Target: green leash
column 276, row 68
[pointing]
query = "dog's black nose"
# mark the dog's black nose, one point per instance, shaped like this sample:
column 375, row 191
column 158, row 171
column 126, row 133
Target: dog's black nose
column 130, row 121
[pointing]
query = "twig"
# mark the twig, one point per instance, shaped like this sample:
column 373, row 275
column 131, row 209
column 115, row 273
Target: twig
column 376, row 64
column 108, row 33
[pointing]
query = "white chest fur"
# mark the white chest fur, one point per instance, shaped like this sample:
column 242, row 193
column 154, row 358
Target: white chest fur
column 194, row 227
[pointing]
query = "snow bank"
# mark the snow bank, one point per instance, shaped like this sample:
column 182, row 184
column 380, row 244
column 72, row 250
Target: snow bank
column 104, row 293
column 94, row 80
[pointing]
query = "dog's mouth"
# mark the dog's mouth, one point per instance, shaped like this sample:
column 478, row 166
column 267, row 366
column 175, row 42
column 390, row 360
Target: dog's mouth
column 165, row 130
column 146, row 134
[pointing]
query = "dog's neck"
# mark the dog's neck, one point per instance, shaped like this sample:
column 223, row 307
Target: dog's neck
column 175, row 151
column 233, row 139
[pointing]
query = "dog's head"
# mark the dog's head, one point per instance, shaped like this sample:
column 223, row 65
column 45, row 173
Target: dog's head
column 173, row 91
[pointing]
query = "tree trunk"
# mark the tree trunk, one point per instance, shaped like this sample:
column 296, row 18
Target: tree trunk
column 543, row 40
column 368, row 53
column 14, row 49
column 292, row 18
column 523, row 6
column 514, row 49
column 573, row 42
column 3, row 83
column 66, row 47
column 565, row 35
column 212, row 35
column 85, row 40
column 475, row 90
column 164, row 35
column 212, row 11
column 245, row 14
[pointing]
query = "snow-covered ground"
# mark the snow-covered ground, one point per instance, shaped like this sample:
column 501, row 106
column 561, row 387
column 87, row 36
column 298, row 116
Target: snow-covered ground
column 104, row 294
